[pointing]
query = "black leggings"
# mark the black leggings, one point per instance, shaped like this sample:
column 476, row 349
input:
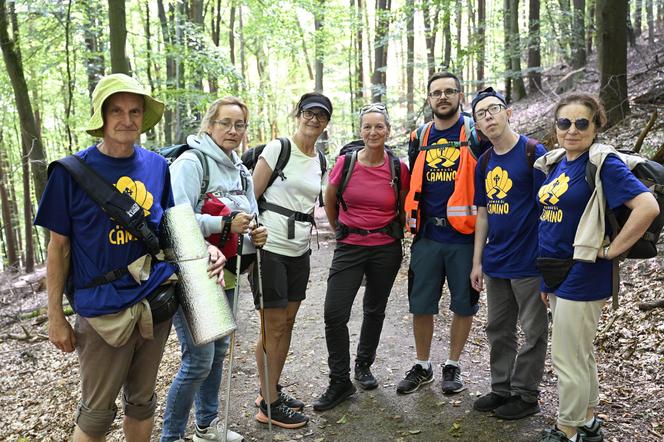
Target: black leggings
column 380, row 264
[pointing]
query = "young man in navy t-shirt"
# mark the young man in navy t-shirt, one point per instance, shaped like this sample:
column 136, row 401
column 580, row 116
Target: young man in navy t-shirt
column 504, row 257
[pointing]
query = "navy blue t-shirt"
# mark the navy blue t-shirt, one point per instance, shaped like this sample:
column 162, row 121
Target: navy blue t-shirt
column 98, row 244
column 563, row 198
column 440, row 168
column 508, row 189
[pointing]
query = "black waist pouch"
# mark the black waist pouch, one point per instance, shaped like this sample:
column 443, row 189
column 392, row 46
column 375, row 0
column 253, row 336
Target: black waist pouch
column 164, row 303
column 554, row 270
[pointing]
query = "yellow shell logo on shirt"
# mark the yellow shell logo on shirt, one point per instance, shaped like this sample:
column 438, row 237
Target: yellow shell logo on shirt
column 137, row 191
column 497, row 183
column 445, row 157
column 550, row 193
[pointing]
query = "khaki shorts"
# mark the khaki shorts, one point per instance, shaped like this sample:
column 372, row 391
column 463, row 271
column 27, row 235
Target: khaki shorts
column 105, row 369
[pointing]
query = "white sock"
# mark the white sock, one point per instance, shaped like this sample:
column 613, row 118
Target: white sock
column 590, row 423
column 451, row 362
column 573, row 439
column 424, row 364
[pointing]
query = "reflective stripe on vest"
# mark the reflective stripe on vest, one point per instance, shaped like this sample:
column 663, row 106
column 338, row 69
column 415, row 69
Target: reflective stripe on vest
column 461, row 212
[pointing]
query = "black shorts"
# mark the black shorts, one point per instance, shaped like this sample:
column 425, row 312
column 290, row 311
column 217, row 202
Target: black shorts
column 284, row 279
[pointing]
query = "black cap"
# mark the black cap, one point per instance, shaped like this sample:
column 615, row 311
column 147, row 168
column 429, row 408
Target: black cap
column 317, row 100
column 486, row 93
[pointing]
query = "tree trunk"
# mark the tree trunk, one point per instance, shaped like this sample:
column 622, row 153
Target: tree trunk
column 305, row 50
column 94, row 63
column 534, row 53
column 458, row 16
column 565, row 21
column 638, row 13
column 519, row 88
column 29, row 134
column 167, row 35
column 11, row 252
column 378, row 84
column 117, row 35
column 319, row 21
column 481, row 42
column 579, row 36
column 651, row 23
column 28, row 252
column 612, row 56
column 447, row 35
column 590, row 29
column 430, row 17
column 359, row 56
column 410, row 58
column 507, row 49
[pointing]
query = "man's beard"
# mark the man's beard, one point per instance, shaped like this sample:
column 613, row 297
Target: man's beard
column 448, row 114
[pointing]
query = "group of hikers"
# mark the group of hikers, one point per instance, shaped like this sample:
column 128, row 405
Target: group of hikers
column 488, row 209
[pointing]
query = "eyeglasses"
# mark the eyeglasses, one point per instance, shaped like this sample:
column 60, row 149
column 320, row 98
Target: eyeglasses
column 321, row 117
column 493, row 109
column 373, row 107
column 449, row 92
column 227, row 125
column 566, row 123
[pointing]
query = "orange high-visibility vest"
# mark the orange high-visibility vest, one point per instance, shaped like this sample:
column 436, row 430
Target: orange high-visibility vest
column 461, row 210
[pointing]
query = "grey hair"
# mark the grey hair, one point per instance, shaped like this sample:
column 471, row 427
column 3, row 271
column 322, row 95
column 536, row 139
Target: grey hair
column 376, row 108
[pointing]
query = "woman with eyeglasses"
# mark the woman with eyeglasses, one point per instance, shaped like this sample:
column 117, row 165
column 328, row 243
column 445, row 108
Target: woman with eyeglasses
column 578, row 258
column 229, row 184
column 369, row 228
column 287, row 211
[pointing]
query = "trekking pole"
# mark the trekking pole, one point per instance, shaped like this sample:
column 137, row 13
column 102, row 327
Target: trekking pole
column 266, row 376
column 236, row 294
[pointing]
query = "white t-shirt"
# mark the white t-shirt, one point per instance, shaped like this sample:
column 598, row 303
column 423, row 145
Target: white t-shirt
column 298, row 192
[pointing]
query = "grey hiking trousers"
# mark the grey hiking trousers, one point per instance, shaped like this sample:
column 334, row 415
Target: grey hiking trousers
column 516, row 370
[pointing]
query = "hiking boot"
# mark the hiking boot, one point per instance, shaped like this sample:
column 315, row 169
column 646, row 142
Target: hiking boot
column 489, row 402
column 593, row 433
column 336, row 393
column 364, row 376
column 554, row 435
column 282, row 415
column 516, row 408
column 216, row 432
column 287, row 399
column 452, row 382
column 415, row 378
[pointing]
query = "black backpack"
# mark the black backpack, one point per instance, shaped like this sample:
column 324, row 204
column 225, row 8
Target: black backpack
column 250, row 158
column 651, row 174
column 350, row 152
column 171, row 153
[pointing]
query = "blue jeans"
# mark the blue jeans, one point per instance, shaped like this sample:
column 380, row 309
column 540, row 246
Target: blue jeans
column 197, row 381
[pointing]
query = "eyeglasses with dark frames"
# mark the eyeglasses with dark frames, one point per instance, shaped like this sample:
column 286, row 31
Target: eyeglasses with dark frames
column 565, row 123
column 493, row 109
column 449, row 92
column 321, row 116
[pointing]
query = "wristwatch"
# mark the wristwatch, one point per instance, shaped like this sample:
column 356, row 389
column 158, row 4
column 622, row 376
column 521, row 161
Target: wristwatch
column 605, row 251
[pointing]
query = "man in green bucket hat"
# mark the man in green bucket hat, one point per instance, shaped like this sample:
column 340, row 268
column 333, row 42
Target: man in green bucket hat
column 111, row 276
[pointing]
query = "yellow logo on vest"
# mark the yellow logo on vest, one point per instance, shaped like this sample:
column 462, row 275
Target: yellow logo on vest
column 497, row 184
column 136, row 189
column 549, row 195
column 439, row 159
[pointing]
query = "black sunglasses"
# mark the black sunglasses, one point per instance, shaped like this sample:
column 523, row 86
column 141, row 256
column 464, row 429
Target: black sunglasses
column 566, row 123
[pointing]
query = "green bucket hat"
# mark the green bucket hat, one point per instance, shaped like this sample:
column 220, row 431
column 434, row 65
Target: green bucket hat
column 112, row 84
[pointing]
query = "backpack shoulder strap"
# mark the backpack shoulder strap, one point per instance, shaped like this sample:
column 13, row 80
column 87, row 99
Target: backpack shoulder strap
column 531, row 146
column 350, row 158
column 423, row 134
column 395, row 171
column 202, row 158
column 323, row 168
column 282, row 161
column 486, row 156
column 471, row 136
column 121, row 207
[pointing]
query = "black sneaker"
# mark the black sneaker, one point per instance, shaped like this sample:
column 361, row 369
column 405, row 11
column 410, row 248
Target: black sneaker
column 592, row 433
column 452, row 382
column 516, row 408
column 364, row 376
column 489, row 402
column 553, row 435
column 286, row 398
column 415, row 378
column 336, row 393
column 282, row 415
